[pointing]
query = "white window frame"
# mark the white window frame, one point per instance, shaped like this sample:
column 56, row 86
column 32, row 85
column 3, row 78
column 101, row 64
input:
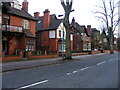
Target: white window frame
column 26, row 24
column 52, row 34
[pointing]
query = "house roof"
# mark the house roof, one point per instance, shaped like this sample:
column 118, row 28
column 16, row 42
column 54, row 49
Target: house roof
column 14, row 11
column 94, row 31
column 54, row 23
column 29, row 34
column 80, row 28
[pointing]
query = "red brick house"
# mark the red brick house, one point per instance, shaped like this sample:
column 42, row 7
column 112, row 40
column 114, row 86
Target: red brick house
column 81, row 37
column 50, row 33
column 18, row 28
column 96, row 39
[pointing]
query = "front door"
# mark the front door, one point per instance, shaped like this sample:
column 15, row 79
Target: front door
column 5, row 46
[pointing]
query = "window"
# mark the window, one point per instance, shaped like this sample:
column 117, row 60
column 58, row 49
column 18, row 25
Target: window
column 51, row 34
column 85, row 47
column 63, row 34
column 26, row 24
column 61, row 47
column 6, row 20
column 105, row 40
column 78, row 33
column 60, row 33
column 29, row 45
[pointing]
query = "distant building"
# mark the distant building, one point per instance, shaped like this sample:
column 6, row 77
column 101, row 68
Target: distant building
column 96, row 39
column 81, row 37
column 104, row 40
column 18, row 28
column 51, row 33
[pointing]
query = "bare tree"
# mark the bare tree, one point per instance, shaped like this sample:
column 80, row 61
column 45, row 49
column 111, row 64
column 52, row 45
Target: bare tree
column 107, row 13
column 67, row 8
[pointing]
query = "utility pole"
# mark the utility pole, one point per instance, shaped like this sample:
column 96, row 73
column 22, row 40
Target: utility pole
column 67, row 8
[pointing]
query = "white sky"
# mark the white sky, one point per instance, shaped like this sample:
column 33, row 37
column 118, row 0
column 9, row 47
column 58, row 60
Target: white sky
column 82, row 13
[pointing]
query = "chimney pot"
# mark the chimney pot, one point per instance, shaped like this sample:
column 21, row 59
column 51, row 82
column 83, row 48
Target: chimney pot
column 46, row 11
column 37, row 14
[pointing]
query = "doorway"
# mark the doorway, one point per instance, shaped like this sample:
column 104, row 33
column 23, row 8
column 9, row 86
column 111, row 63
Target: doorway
column 5, row 46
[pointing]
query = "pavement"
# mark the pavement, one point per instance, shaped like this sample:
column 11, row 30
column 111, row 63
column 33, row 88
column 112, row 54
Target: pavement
column 26, row 64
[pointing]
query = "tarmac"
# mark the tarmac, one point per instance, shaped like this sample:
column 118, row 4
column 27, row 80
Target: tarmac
column 27, row 64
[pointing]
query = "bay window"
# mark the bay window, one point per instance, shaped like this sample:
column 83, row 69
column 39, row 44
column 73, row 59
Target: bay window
column 30, row 45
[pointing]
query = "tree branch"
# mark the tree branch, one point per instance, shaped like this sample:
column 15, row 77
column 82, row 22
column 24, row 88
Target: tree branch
column 63, row 4
column 101, row 18
column 71, row 2
column 98, row 12
column 67, row 2
column 116, row 24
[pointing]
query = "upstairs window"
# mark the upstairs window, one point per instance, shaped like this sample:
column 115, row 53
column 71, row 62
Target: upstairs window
column 60, row 33
column 77, row 33
column 6, row 20
column 26, row 24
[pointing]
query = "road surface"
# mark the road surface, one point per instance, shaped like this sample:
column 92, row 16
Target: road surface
column 88, row 72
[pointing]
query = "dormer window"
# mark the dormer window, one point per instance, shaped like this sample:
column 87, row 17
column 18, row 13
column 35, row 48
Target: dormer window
column 12, row 4
column 15, row 4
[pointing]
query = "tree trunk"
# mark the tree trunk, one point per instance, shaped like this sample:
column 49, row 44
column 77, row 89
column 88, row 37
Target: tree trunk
column 111, row 40
column 68, row 43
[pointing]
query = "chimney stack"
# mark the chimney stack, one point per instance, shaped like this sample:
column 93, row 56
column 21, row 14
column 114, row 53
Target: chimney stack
column 73, row 21
column 25, row 5
column 37, row 14
column 89, row 29
column 46, row 21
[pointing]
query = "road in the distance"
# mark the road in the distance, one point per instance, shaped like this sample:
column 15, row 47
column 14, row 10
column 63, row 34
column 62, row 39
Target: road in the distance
column 91, row 72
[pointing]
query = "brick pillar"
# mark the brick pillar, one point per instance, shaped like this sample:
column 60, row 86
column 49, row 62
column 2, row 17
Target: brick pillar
column 57, row 53
column 45, row 53
column 3, row 53
column 29, row 54
column 21, row 54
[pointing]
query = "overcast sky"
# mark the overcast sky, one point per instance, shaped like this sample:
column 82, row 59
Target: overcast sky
column 82, row 11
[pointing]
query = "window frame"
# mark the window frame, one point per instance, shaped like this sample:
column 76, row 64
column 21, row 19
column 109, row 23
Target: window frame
column 26, row 24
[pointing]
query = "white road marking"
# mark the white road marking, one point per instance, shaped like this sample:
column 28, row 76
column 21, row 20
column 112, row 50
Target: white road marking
column 84, row 68
column 111, row 59
column 101, row 63
column 68, row 73
column 32, row 85
column 75, row 71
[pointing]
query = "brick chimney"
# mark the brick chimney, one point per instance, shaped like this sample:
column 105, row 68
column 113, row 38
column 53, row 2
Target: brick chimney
column 37, row 14
column 25, row 5
column 73, row 21
column 89, row 29
column 46, row 20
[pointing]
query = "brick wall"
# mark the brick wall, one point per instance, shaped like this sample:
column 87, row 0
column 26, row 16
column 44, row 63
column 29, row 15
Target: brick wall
column 30, row 56
column 33, row 26
column 16, row 21
column 44, row 38
column 53, row 45
column 11, row 58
